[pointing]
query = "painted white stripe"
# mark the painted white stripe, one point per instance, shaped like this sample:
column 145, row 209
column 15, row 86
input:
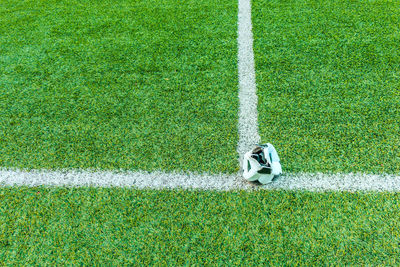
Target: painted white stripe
column 248, row 116
column 220, row 182
column 337, row 182
column 139, row 179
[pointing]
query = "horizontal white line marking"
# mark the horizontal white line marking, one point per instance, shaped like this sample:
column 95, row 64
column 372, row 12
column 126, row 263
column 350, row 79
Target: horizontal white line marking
column 139, row 179
column 219, row 182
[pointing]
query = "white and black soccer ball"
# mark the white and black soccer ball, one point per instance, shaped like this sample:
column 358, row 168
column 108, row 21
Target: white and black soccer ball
column 261, row 164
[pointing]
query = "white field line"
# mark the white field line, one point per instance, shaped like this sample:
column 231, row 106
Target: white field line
column 221, row 182
column 138, row 179
column 248, row 115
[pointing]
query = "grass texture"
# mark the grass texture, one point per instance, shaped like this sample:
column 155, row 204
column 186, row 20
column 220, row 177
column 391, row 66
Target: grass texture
column 328, row 75
column 89, row 226
column 149, row 85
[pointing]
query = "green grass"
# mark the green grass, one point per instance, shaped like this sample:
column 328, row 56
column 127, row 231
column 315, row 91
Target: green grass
column 133, row 85
column 328, row 76
column 152, row 85
column 119, row 226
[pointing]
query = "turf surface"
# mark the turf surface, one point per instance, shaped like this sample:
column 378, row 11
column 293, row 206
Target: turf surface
column 149, row 85
column 328, row 76
column 152, row 85
column 47, row 226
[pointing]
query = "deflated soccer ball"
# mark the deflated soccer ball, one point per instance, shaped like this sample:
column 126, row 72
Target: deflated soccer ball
column 261, row 164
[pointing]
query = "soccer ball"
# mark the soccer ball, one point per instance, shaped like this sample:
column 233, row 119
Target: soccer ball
column 261, row 164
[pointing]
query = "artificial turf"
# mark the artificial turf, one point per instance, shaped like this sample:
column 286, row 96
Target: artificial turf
column 138, row 85
column 152, row 85
column 328, row 80
column 90, row 226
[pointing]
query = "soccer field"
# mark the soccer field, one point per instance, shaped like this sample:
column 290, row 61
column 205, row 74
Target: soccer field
column 172, row 227
column 98, row 89
column 329, row 85
column 134, row 85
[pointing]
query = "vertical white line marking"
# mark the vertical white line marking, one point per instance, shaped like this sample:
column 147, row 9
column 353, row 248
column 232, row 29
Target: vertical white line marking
column 248, row 116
